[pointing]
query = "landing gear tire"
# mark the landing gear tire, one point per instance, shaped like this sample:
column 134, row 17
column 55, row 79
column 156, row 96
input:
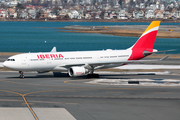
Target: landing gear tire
column 21, row 74
column 92, row 75
column 68, row 75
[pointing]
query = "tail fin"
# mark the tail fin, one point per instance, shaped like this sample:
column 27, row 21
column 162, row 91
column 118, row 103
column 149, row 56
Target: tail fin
column 146, row 42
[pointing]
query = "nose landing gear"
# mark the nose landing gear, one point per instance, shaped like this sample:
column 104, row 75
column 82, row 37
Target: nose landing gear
column 21, row 74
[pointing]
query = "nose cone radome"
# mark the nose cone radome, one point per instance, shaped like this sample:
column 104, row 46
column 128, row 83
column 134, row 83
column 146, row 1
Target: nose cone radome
column 9, row 65
column 5, row 64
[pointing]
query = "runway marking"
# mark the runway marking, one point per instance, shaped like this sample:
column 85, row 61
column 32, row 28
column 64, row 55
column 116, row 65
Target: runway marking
column 29, row 103
column 30, row 108
column 22, row 95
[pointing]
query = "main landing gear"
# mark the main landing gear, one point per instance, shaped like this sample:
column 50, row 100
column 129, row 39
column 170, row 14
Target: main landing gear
column 21, row 74
column 92, row 75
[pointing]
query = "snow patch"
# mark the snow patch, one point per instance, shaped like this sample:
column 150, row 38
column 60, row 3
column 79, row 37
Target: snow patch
column 139, row 66
column 143, row 82
column 144, row 73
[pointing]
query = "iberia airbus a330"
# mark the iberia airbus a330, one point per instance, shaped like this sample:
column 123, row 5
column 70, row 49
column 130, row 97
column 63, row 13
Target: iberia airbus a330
column 84, row 62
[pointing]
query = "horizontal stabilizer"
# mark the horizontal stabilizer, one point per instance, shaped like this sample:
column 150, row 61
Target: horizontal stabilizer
column 164, row 51
column 151, row 60
column 145, row 53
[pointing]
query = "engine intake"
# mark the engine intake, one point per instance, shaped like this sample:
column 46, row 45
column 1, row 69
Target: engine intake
column 77, row 71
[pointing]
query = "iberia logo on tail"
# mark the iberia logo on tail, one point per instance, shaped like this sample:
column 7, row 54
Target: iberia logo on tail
column 146, row 42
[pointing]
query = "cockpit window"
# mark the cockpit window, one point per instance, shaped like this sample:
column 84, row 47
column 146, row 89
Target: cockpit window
column 10, row 59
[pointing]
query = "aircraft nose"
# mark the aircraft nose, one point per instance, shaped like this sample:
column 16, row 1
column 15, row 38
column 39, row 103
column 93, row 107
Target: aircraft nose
column 5, row 64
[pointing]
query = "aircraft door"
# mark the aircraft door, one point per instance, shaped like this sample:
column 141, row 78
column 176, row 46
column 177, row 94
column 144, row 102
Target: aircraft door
column 97, row 57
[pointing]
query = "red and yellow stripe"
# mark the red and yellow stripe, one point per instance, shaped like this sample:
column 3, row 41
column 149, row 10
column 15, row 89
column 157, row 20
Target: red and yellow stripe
column 152, row 25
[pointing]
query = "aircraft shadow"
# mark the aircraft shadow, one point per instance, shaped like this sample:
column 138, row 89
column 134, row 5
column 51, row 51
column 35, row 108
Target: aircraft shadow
column 65, row 75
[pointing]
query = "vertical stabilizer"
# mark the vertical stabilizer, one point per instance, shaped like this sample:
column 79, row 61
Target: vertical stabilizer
column 54, row 49
column 146, row 42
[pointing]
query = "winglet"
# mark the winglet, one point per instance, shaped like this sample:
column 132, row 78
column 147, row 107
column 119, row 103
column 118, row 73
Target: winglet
column 54, row 49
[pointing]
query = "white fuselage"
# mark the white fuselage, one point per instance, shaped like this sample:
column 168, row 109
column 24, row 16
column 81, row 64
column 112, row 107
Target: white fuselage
column 61, row 61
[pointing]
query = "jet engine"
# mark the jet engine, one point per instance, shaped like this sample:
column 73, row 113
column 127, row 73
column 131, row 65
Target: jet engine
column 77, row 71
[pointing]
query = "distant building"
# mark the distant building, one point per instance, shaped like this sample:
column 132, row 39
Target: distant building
column 2, row 13
column 142, row 5
column 149, row 14
column 175, row 14
column 32, row 13
column 12, row 13
column 23, row 15
column 159, row 14
column 122, row 15
column 167, row 15
column 138, row 14
column 74, row 14
column 12, row 3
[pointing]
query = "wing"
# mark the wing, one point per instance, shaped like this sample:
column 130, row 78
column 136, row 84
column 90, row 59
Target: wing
column 99, row 65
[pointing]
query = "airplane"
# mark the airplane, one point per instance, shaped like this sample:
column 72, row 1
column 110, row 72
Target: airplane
column 84, row 62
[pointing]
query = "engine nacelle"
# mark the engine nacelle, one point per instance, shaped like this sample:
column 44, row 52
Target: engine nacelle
column 77, row 71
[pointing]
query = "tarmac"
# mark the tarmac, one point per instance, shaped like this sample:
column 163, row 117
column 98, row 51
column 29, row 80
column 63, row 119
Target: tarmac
column 45, row 97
